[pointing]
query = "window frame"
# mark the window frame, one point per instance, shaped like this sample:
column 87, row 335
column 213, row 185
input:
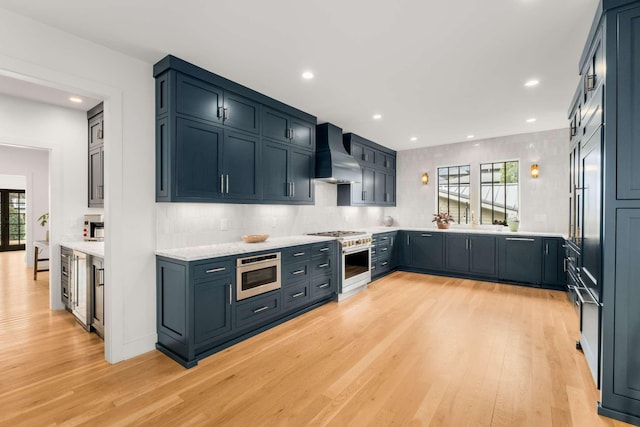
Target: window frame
column 457, row 219
column 506, row 208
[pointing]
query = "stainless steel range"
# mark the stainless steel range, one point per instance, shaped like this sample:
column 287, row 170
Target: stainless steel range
column 355, row 261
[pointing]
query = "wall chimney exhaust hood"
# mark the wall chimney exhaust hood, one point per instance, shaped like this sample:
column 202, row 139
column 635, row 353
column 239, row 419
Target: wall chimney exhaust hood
column 333, row 163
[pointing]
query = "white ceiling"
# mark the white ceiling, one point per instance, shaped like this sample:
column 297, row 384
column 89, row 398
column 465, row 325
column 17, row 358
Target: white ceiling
column 436, row 70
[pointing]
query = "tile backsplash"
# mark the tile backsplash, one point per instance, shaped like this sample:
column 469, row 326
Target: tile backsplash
column 191, row 224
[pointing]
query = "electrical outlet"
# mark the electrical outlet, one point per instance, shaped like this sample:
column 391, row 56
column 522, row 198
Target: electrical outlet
column 224, row 224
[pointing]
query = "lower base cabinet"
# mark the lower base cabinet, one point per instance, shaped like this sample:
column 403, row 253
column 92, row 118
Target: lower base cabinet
column 198, row 312
column 520, row 259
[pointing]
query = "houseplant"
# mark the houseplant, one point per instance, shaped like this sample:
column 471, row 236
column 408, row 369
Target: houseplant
column 43, row 219
column 442, row 220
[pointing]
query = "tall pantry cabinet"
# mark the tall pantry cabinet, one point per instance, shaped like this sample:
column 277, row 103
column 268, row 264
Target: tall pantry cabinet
column 610, row 69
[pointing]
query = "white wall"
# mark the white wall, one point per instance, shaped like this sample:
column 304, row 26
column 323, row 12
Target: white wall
column 33, row 167
column 544, row 204
column 52, row 57
column 189, row 224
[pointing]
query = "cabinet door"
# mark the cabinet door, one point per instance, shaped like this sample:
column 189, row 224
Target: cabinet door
column 628, row 105
column 427, row 250
column 96, row 177
column 198, row 99
column 241, row 113
column 457, row 253
column 482, row 255
column 520, row 259
column 622, row 330
column 302, row 175
column 212, row 309
column 356, row 196
column 275, row 167
column 379, row 187
column 97, row 283
column 275, row 125
column 241, row 166
column 368, row 185
column 96, row 125
column 198, row 165
column 302, row 133
column 591, row 168
column 553, row 266
column 390, row 190
column 385, row 161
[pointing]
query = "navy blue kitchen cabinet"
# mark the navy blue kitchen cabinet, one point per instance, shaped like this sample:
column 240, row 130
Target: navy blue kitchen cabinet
column 423, row 250
column 554, row 274
column 610, row 237
column 470, row 254
column 197, row 309
column 520, row 259
column 384, row 254
column 283, row 127
column 211, row 135
column 378, row 184
column 286, row 173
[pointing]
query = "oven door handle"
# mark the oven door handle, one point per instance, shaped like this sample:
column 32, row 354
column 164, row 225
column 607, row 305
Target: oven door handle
column 356, row 249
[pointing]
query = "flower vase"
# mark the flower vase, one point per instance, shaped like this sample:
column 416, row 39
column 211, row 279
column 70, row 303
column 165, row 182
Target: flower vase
column 442, row 225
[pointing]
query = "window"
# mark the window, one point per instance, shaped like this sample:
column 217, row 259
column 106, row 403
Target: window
column 13, row 208
column 499, row 192
column 453, row 192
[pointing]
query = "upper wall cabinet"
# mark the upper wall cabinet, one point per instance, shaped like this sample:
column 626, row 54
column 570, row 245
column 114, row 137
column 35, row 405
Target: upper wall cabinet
column 378, row 184
column 96, row 156
column 214, row 139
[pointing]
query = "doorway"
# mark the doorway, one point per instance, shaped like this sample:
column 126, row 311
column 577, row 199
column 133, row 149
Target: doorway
column 13, row 220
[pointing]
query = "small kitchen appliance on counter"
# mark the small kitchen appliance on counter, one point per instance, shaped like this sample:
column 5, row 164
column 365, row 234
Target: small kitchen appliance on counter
column 94, row 228
column 355, row 261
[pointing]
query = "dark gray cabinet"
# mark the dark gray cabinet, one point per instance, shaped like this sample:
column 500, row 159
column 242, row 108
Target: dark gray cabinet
column 197, row 310
column 377, row 186
column 424, row 250
column 384, row 254
column 286, row 173
column 215, row 141
column 97, row 302
column 553, row 272
column 95, row 117
column 520, row 259
column 471, row 254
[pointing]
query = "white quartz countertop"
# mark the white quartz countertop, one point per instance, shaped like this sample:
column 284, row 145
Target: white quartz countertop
column 195, row 253
column 90, row 248
column 503, row 231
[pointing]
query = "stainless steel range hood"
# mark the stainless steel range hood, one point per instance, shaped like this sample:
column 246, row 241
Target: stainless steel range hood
column 333, row 163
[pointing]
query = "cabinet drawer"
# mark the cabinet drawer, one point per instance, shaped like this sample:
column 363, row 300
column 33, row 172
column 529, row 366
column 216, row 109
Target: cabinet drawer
column 295, row 296
column 322, row 286
column 322, row 249
column 321, row 266
column 294, row 273
column 257, row 309
column 208, row 269
column 296, row 254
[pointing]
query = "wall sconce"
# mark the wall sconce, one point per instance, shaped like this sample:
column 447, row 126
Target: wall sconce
column 535, row 170
column 425, row 178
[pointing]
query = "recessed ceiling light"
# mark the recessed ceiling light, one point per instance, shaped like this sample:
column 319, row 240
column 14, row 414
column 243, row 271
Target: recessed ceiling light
column 307, row 75
column 377, row 116
column 413, row 138
column 470, row 136
column 75, row 99
column 531, row 120
column 532, row 83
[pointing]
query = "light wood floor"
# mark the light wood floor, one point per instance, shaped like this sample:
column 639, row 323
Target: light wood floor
column 412, row 350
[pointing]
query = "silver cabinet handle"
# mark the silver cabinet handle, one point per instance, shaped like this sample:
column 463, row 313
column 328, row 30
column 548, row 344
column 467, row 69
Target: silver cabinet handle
column 546, row 249
column 521, row 239
column 293, row 188
column 222, row 184
column 384, row 249
column 258, row 310
column 298, row 254
column 326, row 264
column 581, row 298
column 292, row 134
column 324, row 249
column 221, row 113
column 295, row 273
column 230, row 294
column 227, row 184
column 564, row 265
column 384, row 238
column 384, row 263
column 469, row 243
column 225, row 114
column 423, row 235
column 324, row 285
column 299, row 294
column 215, row 270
